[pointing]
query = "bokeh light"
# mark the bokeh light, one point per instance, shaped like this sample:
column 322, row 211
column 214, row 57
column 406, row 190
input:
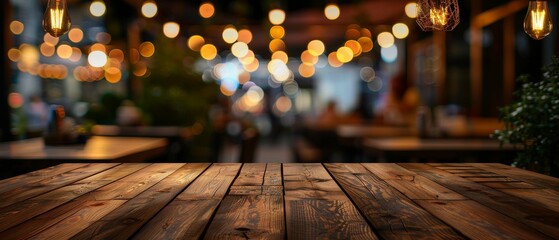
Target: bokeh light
column 14, row 54
column 171, row 29
column 208, row 51
column 277, row 32
column 196, row 42
column 281, row 55
column 75, row 35
column 306, row 70
column 411, row 10
column 50, row 39
column 15, row 100
column 16, row 27
column 344, row 54
column 149, row 9
column 113, row 75
column 389, row 54
column 354, row 46
column 97, row 58
column 276, row 16
column 117, row 54
column 230, row 35
column 332, row 11
column 385, row 39
column 333, row 60
column 98, row 47
column 76, row 54
column 366, row 44
column 103, row 37
column 47, row 50
column 206, row 10
column 239, row 49
column 97, row 8
column 400, row 30
column 64, row 51
column 245, row 36
column 315, row 47
column 147, row 49
column 308, row 58
column 276, row 45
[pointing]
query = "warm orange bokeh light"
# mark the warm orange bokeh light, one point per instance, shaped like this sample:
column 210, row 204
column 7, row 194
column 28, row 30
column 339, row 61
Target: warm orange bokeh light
column 64, row 51
column 47, row 50
column 75, row 35
column 245, row 36
column 276, row 45
column 113, row 75
column 147, row 49
column 366, row 44
column 306, row 70
column 333, row 60
column 281, row 55
column 354, row 46
column 206, row 10
column 98, row 47
column 117, row 54
column 208, row 51
column 196, row 42
column 276, row 16
column 16, row 27
column 315, row 47
column 308, row 58
column 277, row 32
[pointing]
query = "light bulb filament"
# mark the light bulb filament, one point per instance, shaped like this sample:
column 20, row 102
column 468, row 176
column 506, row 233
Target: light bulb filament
column 56, row 16
column 538, row 19
column 438, row 16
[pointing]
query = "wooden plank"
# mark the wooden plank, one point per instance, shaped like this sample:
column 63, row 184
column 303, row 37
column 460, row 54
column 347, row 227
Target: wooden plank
column 252, row 174
column 36, row 188
column 187, row 215
column 316, row 208
column 537, row 217
column 248, row 217
column 179, row 220
column 392, row 215
column 137, row 182
column 273, row 175
column 411, row 184
column 22, row 211
column 520, row 174
column 88, row 214
column 129, row 217
column 130, row 186
column 500, row 185
column 479, row 222
column 256, row 190
column 545, row 197
column 36, row 176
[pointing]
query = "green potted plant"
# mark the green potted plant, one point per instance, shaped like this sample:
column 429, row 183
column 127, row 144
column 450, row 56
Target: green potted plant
column 531, row 121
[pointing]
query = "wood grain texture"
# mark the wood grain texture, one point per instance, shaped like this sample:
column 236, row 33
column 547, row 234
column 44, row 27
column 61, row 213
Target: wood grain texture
column 516, row 173
column 249, row 217
column 179, row 220
column 479, row 222
column 316, row 208
column 36, row 176
column 537, row 217
column 547, row 198
column 213, row 183
column 129, row 217
column 33, row 189
column 392, row 215
column 22, row 211
column 273, row 175
column 88, row 214
column 411, row 184
column 252, row 174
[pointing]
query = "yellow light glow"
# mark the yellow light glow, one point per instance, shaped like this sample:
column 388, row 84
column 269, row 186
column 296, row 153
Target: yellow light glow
column 76, row 54
column 75, row 35
column 253, row 66
column 50, row 39
column 98, row 47
column 344, row 54
column 279, row 70
column 140, row 69
column 245, row 36
column 147, row 49
column 225, row 91
column 117, row 54
column 354, row 46
column 64, row 51
column 230, row 35
column 171, row 29
column 56, row 20
column 277, row 32
column 366, row 32
column 315, row 47
column 97, row 8
column 332, row 11
column 306, row 70
column 16, row 27
column 47, row 50
column 29, row 54
column 438, row 16
column 248, row 58
column 308, row 58
column 333, row 60
column 280, row 55
column 366, row 44
column 113, row 75
column 208, row 51
column 400, row 30
column 244, row 77
column 97, row 59
column 276, row 16
column 14, row 54
column 206, row 10
column 149, row 9
column 196, row 42
column 538, row 23
column 385, row 39
column 276, row 45
column 239, row 49
column 411, row 10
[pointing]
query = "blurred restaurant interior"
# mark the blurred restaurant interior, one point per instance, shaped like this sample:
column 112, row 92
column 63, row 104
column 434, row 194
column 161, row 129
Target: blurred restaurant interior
column 275, row 81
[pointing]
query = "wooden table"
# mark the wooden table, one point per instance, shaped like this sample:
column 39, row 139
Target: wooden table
column 405, row 148
column 278, row 201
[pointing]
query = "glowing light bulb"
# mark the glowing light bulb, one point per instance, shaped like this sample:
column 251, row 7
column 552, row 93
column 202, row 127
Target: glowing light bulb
column 56, row 20
column 537, row 23
column 443, row 15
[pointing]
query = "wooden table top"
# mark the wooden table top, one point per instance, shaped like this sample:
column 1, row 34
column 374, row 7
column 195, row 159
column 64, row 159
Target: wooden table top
column 278, row 201
column 364, row 131
column 97, row 149
column 141, row 131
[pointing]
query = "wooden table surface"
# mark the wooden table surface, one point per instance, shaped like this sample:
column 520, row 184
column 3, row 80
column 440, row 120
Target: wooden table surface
column 97, row 149
column 278, row 201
